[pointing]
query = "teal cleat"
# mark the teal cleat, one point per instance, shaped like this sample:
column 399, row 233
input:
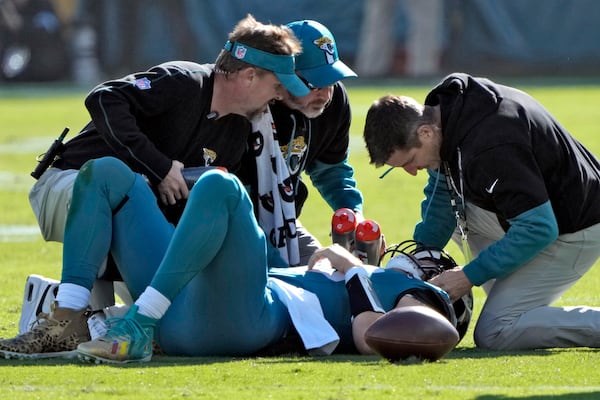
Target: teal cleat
column 127, row 339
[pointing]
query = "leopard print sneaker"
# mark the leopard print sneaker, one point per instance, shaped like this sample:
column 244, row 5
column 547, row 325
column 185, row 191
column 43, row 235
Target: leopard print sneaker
column 53, row 335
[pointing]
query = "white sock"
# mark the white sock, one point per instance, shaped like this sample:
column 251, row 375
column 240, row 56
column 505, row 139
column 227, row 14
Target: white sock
column 152, row 303
column 72, row 296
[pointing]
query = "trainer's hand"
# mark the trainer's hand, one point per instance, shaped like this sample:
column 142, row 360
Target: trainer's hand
column 454, row 282
column 173, row 187
column 339, row 258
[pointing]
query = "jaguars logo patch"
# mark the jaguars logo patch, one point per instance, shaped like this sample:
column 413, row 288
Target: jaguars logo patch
column 294, row 153
column 209, row 156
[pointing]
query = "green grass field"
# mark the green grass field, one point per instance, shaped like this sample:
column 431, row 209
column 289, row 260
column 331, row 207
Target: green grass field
column 31, row 117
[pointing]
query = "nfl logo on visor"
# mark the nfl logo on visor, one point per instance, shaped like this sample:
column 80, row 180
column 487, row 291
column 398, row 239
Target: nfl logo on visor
column 240, row 52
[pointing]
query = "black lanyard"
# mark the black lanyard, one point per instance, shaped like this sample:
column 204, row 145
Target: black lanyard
column 459, row 214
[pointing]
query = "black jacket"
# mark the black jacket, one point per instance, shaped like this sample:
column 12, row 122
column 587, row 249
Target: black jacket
column 515, row 155
column 151, row 118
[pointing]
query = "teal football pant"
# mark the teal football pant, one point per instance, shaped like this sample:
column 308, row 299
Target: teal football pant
column 213, row 266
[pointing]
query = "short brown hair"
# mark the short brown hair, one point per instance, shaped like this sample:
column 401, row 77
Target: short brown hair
column 275, row 39
column 391, row 124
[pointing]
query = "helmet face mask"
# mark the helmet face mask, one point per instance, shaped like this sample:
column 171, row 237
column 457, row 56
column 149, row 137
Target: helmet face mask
column 408, row 264
column 425, row 263
column 430, row 260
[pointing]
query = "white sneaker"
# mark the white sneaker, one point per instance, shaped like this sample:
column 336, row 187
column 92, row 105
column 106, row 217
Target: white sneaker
column 40, row 292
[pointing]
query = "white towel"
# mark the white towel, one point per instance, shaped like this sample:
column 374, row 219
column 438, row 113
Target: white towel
column 276, row 206
column 305, row 310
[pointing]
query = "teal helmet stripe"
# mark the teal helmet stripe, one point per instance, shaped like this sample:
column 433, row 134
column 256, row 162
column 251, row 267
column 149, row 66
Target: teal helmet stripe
column 280, row 63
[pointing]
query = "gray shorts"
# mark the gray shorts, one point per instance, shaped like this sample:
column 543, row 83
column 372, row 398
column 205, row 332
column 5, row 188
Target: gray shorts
column 50, row 198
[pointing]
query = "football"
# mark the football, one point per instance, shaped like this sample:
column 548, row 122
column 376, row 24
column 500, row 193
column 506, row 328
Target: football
column 415, row 331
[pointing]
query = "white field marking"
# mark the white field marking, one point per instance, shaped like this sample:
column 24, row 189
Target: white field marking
column 19, row 233
column 35, row 145
column 16, row 182
column 357, row 145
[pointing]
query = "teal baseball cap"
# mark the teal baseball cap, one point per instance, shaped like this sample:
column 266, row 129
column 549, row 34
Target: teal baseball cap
column 280, row 64
column 319, row 62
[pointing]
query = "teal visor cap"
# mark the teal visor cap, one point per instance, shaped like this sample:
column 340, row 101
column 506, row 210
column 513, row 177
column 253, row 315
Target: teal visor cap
column 319, row 62
column 281, row 65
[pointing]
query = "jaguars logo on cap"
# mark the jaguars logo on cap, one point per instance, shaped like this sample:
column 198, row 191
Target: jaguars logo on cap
column 326, row 44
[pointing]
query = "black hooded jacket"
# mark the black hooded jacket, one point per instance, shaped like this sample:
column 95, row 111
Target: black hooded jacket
column 515, row 155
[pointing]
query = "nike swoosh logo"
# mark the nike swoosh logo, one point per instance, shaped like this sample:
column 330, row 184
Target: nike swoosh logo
column 491, row 188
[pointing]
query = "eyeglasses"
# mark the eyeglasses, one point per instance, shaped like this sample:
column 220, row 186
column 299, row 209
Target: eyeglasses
column 307, row 83
column 310, row 86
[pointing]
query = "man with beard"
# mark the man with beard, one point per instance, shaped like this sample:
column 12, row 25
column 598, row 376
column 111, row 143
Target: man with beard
column 313, row 132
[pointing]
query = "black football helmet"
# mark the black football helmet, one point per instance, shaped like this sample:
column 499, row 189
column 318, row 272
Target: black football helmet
column 425, row 262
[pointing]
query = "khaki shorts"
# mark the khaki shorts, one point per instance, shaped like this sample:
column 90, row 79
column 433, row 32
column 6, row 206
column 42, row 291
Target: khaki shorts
column 50, row 198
